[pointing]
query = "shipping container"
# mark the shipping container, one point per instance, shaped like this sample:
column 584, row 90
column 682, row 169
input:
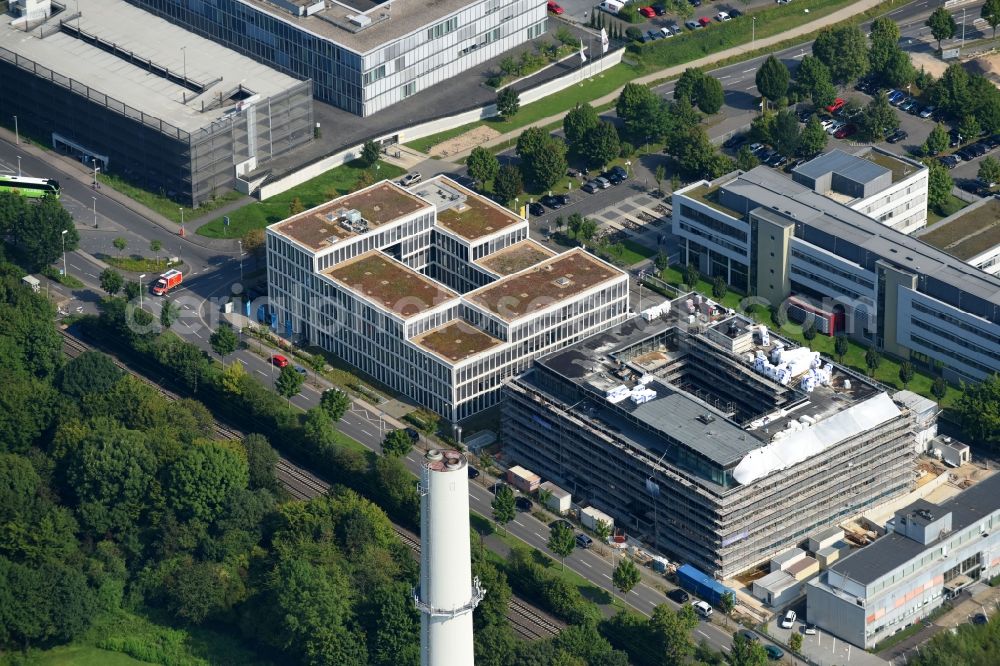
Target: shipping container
column 701, row 584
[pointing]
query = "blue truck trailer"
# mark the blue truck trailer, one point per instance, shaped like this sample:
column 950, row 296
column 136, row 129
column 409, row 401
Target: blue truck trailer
column 702, row 585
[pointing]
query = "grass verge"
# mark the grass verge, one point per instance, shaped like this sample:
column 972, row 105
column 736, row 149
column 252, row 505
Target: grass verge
column 950, row 207
column 65, row 280
column 138, row 264
column 166, row 207
column 329, row 185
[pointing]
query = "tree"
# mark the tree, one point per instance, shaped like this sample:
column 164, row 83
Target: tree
column 253, row 242
column 942, row 25
column 289, row 383
column 202, row 478
column 626, row 576
column 795, row 642
column 745, row 159
column 633, row 100
column 295, row 206
column 905, row 373
column 369, row 154
column 898, row 70
column 688, row 83
column 937, row 140
column 772, row 79
column 884, row 37
column 483, row 165
column 872, row 359
column 727, row 604
column 132, row 289
column 50, row 603
column 989, row 170
column 671, row 631
column 508, row 102
column 602, row 144
column 840, row 346
column 843, row 51
column 939, row 185
column 812, row 139
column 155, row 246
column 507, row 184
column 978, row 410
column 813, row 78
column 809, row 332
column 562, row 541
column 577, row 123
column 169, row 313
column 89, row 373
column 952, row 92
column 120, row 244
column 396, row 444
column 691, row 275
column 785, row 135
column 224, row 341
column 545, row 163
column 746, row 652
column 503, row 505
column 879, row 118
column 779, row 316
column 659, row 175
column 111, row 281
column 709, row 94
column 642, row 113
column 991, row 14
column 719, row 287
column 696, row 155
column 939, row 388
column 335, row 403
column 261, row 461
column 40, row 236
column 602, row 530
column 969, row 127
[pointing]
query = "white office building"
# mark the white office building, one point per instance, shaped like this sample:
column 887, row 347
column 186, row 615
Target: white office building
column 435, row 292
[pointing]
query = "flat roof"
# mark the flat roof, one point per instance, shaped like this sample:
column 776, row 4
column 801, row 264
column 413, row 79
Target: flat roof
column 139, row 36
column 870, row 563
column 389, row 20
column 516, row 257
column 900, row 167
column 456, row 341
column 379, row 204
column 969, row 233
column 544, row 284
column 389, row 283
column 463, row 212
column 856, row 168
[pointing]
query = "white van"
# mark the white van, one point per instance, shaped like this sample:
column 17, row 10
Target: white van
column 612, row 6
column 702, row 608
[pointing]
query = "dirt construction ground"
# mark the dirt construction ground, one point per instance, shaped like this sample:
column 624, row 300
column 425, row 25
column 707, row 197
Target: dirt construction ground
column 463, row 142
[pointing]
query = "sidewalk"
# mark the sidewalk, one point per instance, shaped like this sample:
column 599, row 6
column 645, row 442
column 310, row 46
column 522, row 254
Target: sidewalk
column 704, row 63
column 83, row 174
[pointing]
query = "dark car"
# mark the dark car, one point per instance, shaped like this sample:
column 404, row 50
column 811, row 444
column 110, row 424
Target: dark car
column 980, row 618
column 553, row 202
column 591, row 186
column 612, row 177
column 473, row 472
column 735, row 141
column 535, row 209
column 695, row 3
column 523, row 503
column 970, row 186
column 659, row 9
column 949, row 161
column 620, row 172
column 993, row 141
column 896, row 136
column 848, row 131
column 774, row 653
column 749, row 636
column 584, row 541
column 565, row 523
column 966, row 154
column 980, row 149
column 776, row 160
column 804, row 116
column 413, row 435
column 678, row 595
column 735, row 13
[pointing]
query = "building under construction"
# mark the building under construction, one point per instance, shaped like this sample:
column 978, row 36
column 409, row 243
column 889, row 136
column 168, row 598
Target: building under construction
column 718, row 442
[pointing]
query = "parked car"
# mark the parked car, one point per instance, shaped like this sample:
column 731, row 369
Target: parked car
column 896, row 97
column 826, row 122
column 692, row 25
column 897, row 136
column 678, row 595
column 535, row 209
column 695, row 3
column 804, row 116
column 734, row 142
column 523, row 503
column 735, row 13
column 473, row 472
column 565, row 523
column 837, row 105
column 777, row 160
column 702, row 608
column 648, row 12
column 612, row 177
column 299, row 369
column 665, row 32
column 834, row 127
column 413, row 435
column 554, row 7
column 993, row 141
column 722, row 17
column 788, row 619
column 591, row 186
column 620, row 172
column 279, row 361
column 782, row 2
column 949, row 161
column 757, row 149
column 774, row 653
column 809, row 629
column 584, row 541
column 966, row 154
column 749, row 636
column 704, row 20
column 411, row 179
column 846, row 132
column 555, row 202
column 602, row 182
column 980, row 149
column 660, row 9
column 926, row 112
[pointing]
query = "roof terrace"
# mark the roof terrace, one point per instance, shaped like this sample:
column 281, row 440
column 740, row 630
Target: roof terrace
column 515, row 258
column 707, row 194
column 324, row 225
column 390, row 284
column 456, row 341
column 969, row 234
column 544, row 284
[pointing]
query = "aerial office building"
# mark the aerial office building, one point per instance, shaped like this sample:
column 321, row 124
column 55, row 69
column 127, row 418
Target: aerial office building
column 362, row 55
column 931, row 553
column 436, row 292
column 775, row 237
column 100, row 80
column 714, row 440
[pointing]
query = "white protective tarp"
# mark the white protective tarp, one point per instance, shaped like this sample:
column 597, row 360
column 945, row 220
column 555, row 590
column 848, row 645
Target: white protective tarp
column 803, row 444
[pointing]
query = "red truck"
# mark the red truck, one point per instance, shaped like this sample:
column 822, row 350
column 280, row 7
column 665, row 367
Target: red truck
column 167, row 281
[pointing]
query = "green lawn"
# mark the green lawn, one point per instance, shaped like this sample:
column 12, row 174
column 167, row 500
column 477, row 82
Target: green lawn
column 627, row 252
column 330, row 185
column 952, row 206
column 137, row 264
column 80, row 655
column 168, row 208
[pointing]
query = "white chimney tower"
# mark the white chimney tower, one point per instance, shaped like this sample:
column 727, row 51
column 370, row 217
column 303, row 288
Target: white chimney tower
column 447, row 594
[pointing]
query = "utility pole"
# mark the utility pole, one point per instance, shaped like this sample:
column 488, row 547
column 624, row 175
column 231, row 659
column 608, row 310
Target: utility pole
column 17, row 133
column 18, row 166
column 95, row 211
column 64, row 231
column 141, row 275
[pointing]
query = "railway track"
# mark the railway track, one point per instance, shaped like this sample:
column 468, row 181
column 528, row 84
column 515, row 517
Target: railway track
column 303, row 486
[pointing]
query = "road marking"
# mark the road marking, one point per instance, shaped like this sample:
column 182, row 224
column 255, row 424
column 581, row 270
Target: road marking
column 366, row 432
column 703, row 634
column 518, row 522
column 727, row 76
column 606, row 576
column 584, row 563
column 262, row 372
column 750, row 87
column 539, row 535
column 747, row 71
column 197, row 334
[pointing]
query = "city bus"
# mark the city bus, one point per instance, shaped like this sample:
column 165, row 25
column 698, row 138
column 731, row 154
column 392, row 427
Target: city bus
column 35, row 188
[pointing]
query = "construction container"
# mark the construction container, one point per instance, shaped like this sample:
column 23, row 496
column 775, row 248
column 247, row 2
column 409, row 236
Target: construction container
column 591, row 516
column 785, row 559
column 559, row 500
column 695, row 581
column 524, row 480
column 820, row 540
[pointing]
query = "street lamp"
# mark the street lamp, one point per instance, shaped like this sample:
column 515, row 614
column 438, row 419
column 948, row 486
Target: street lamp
column 141, row 275
column 95, row 211
column 18, row 166
column 517, row 207
column 753, row 31
column 63, row 234
column 240, row 242
column 93, row 161
column 184, row 55
column 628, row 163
column 17, row 133
column 182, row 221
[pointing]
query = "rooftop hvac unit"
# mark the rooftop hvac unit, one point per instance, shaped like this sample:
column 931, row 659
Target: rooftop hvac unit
column 353, row 216
column 360, row 20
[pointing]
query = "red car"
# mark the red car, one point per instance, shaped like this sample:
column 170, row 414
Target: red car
column 845, row 131
column 705, row 21
column 554, row 8
column 279, row 360
column 648, row 12
column 837, row 105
